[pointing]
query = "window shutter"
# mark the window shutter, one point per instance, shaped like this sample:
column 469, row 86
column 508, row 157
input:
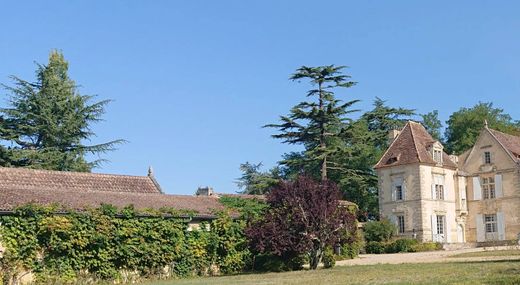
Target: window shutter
column 393, row 191
column 441, row 182
column 433, row 190
column 447, row 229
column 393, row 220
column 498, row 186
column 403, row 187
column 477, row 190
column 480, row 228
column 434, row 228
column 501, row 226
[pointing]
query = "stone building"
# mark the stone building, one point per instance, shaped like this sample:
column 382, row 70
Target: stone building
column 474, row 197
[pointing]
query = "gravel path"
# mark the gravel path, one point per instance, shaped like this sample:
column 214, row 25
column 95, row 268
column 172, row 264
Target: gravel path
column 424, row 257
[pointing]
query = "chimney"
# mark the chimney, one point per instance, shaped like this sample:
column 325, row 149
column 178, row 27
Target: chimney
column 392, row 134
column 205, row 191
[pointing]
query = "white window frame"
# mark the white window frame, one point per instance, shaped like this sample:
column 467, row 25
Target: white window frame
column 439, row 192
column 398, row 182
column 491, row 227
column 491, row 223
column 441, row 224
column 488, row 188
column 438, row 189
column 437, row 155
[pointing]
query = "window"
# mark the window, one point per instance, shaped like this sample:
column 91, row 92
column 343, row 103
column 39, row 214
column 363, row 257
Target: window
column 439, row 192
column 399, row 192
column 400, row 224
column 490, row 222
column 398, row 188
column 438, row 187
column 440, row 224
column 488, row 188
column 437, row 156
column 487, row 157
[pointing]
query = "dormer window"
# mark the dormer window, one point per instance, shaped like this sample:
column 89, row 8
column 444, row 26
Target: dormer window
column 437, row 156
column 436, row 151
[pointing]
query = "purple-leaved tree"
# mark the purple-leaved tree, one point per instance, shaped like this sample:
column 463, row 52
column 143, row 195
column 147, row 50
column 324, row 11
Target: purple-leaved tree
column 304, row 217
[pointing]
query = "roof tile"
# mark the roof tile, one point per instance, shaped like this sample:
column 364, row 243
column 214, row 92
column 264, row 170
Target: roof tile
column 47, row 180
column 411, row 146
column 510, row 142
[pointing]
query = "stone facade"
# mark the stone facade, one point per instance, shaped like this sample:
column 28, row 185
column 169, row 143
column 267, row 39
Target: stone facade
column 471, row 198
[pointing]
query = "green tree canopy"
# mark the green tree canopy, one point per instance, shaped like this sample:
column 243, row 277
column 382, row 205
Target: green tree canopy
column 383, row 118
column 432, row 124
column 254, row 181
column 365, row 141
column 47, row 121
column 317, row 124
column 465, row 125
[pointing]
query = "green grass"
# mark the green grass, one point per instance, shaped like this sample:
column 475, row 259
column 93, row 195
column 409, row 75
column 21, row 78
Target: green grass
column 496, row 272
column 487, row 253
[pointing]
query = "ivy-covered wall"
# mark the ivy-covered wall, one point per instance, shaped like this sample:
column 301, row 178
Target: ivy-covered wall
column 116, row 244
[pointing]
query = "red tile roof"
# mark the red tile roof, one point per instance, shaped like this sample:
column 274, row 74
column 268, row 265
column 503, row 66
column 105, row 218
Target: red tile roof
column 411, row 146
column 46, row 180
column 67, row 199
column 510, row 142
column 79, row 191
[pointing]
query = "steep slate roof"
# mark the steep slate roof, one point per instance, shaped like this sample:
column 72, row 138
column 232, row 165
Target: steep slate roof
column 49, row 181
column 411, row 146
column 510, row 142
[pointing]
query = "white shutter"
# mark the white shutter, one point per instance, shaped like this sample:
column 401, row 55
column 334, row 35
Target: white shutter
column 477, row 190
column 501, row 226
column 403, row 187
column 434, row 228
column 393, row 191
column 441, row 182
column 498, row 186
column 433, row 191
column 447, row 231
column 393, row 220
column 479, row 220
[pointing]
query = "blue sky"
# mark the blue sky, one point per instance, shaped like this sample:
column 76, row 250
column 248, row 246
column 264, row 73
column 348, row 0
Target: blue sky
column 194, row 81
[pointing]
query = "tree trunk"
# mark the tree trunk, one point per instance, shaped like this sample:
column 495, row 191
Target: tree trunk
column 323, row 145
column 315, row 255
column 324, row 169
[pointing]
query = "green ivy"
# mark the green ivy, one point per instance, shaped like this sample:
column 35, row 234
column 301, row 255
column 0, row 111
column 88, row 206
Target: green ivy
column 110, row 244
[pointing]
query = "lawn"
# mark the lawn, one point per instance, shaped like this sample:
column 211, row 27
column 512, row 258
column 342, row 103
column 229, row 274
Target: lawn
column 487, row 253
column 496, row 272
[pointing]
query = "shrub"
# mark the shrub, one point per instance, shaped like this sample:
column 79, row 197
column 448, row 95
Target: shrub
column 275, row 263
column 380, row 231
column 350, row 251
column 427, row 246
column 401, row 245
column 375, row 247
column 328, row 258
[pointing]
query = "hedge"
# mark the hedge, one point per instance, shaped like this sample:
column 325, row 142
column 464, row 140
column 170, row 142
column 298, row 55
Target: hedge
column 121, row 245
column 401, row 245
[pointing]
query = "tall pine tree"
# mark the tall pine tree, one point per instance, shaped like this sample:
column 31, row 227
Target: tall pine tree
column 317, row 125
column 48, row 121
